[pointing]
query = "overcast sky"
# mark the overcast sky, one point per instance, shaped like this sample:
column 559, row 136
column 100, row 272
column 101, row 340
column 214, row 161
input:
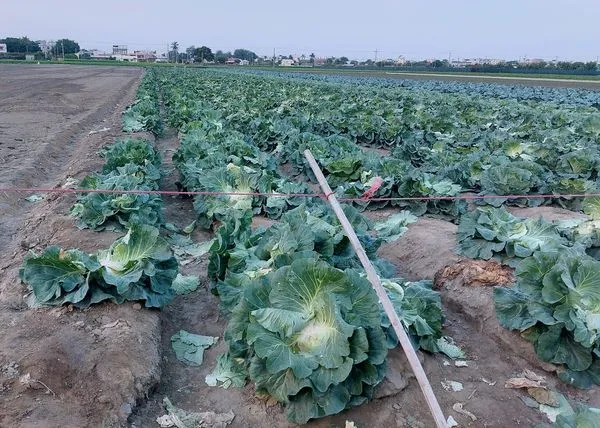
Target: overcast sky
column 508, row 29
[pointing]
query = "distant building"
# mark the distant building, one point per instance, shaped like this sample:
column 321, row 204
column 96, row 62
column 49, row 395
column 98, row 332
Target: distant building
column 119, row 50
column 244, row 62
column 401, row 60
column 286, row 62
column 96, row 54
column 231, row 61
column 3, row 48
column 125, row 57
column 305, row 61
column 531, row 61
column 468, row 62
column 145, row 56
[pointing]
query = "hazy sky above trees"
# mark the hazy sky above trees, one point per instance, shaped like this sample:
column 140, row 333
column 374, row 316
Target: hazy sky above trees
column 417, row 29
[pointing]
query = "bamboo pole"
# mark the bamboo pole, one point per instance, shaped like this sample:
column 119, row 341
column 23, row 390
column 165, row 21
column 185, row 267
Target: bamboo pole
column 388, row 307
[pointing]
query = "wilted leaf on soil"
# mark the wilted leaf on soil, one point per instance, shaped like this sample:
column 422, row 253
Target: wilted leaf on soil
column 451, row 422
column 529, row 402
column 451, row 385
column 189, row 348
column 563, row 409
column 183, row 245
column 228, row 371
column 544, row 396
column 34, row 198
column 447, row 347
column 179, row 418
column 523, row 382
column 532, row 375
column 458, row 408
column 184, row 284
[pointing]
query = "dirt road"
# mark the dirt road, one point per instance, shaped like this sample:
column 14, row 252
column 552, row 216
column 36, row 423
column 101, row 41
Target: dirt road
column 46, row 113
column 96, row 363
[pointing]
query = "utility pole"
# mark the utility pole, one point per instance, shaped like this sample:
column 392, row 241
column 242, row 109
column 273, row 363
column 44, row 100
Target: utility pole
column 62, row 44
column 376, row 51
column 273, row 61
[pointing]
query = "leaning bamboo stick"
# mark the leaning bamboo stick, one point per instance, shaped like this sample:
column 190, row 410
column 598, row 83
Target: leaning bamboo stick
column 388, row 307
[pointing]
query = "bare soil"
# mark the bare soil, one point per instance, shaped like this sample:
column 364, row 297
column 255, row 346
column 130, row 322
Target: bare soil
column 112, row 365
column 99, row 362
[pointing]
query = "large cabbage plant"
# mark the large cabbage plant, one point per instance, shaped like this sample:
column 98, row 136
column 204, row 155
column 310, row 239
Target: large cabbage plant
column 494, row 232
column 304, row 320
column 311, row 337
column 138, row 267
column 556, row 306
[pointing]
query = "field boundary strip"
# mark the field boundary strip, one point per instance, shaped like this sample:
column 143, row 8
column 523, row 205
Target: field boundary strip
column 290, row 195
column 485, row 76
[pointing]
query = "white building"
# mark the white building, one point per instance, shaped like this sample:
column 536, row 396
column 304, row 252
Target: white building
column 125, row 57
column 3, row 48
column 96, row 54
column 286, row 62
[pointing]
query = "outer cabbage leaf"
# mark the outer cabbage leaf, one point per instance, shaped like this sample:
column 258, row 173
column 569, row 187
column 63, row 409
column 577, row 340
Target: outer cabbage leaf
column 395, row 226
column 58, row 276
column 493, row 232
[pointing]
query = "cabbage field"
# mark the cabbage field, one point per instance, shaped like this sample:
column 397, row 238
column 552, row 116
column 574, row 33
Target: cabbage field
column 303, row 323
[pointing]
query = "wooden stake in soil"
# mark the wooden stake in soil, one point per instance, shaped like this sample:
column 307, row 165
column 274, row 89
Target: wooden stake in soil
column 388, row 307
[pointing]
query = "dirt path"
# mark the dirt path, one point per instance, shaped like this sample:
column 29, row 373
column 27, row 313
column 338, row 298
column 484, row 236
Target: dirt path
column 46, row 113
column 99, row 362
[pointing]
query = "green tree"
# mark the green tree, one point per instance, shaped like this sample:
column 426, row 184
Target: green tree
column 190, row 53
column 70, row 46
column 245, row 54
column 221, row 56
column 20, row 45
column 312, row 59
column 203, row 53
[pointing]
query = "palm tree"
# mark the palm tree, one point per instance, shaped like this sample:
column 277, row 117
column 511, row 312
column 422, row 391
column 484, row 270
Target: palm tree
column 175, row 49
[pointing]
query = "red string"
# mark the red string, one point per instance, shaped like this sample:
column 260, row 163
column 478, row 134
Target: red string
column 288, row 195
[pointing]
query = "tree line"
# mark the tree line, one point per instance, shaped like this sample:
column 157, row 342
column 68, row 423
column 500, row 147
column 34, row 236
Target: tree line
column 23, row 45
column 205, row 54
